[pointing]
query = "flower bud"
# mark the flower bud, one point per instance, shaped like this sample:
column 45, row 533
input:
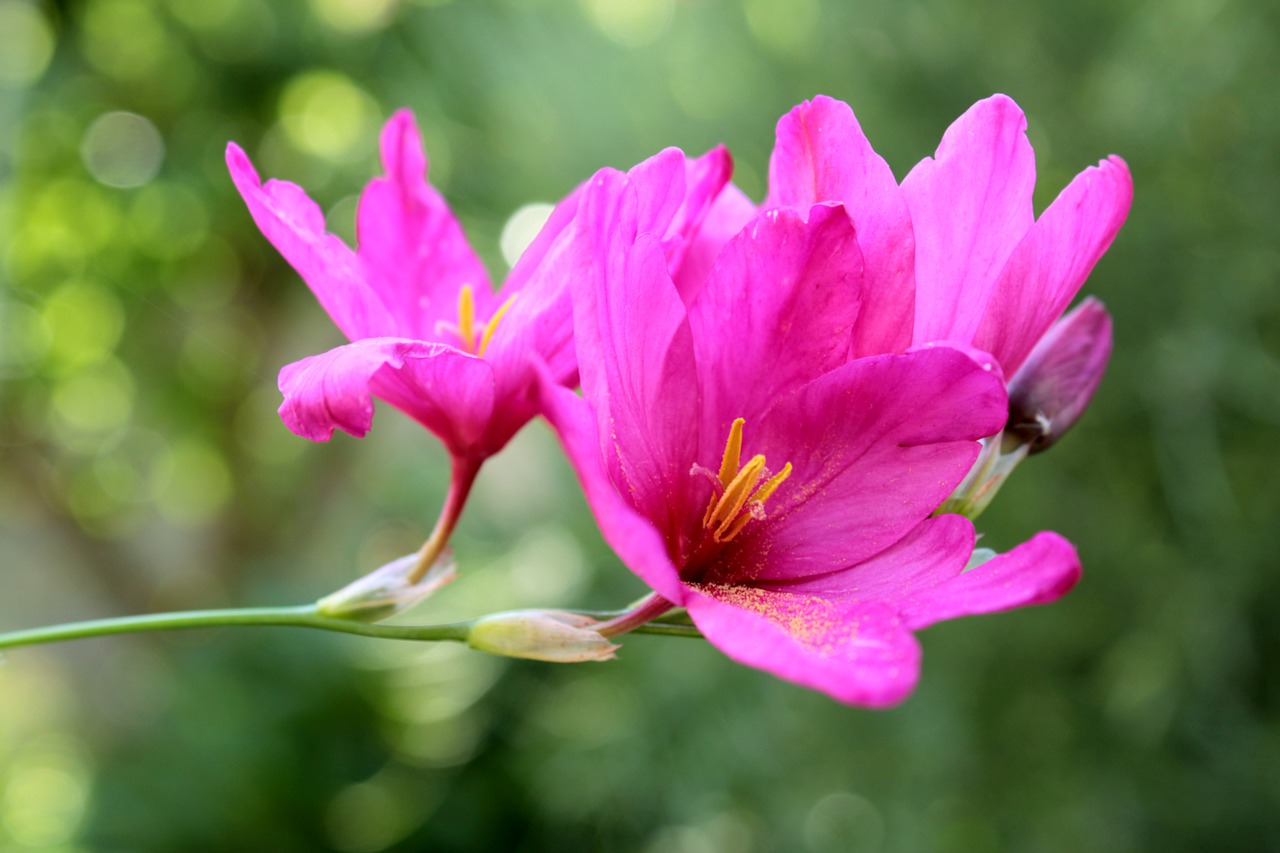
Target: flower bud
column 1053, row 387
column 387, row 591
column 551, row 635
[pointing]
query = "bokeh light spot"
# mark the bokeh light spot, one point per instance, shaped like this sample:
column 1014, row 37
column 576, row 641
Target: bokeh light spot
column 85, row 322
column 354, row 16
column 122, row 149
column 325, row 114
column 786, row 26
column 365, row 818
column 168, row 221
column 520, row 229
column 45, row 793
column 547, row 566
column 631, row 23
column 123, row 38
column 206, row 14
column 844, row 821
column 24, row 339
column 196, row 482
column 98, row 400
column 27, row 44
column 67, row 221
column 228, row 30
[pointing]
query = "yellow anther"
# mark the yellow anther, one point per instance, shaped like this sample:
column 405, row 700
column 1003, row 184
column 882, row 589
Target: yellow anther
column 736, row 494
column 732, row 453
column 467, row 317
column 492, row 325
column 771, row 485
column 734, row 529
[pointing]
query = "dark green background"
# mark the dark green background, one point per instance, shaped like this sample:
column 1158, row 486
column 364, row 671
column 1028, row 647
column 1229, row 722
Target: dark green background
column 142, row 465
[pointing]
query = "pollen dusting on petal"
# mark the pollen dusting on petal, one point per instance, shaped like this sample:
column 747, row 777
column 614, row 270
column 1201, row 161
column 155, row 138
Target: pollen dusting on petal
column 815, row 622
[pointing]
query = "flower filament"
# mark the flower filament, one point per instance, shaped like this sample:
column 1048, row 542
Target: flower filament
column 465, row 328
column 740, row 495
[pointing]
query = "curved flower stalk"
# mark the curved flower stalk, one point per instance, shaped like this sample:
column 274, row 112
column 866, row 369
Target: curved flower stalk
column 954, row 254
column 748, row 466
column 428, row 333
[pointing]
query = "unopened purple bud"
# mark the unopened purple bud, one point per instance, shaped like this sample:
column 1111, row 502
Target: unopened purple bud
column 1053, row 387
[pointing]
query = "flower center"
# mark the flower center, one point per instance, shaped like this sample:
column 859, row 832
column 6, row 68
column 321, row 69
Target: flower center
column 739, row 495
column 465, row 328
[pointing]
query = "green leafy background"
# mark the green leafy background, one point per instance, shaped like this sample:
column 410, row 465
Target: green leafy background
column 142, row 465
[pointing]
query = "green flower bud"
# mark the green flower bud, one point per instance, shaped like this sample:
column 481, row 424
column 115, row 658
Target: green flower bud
column 551, row 635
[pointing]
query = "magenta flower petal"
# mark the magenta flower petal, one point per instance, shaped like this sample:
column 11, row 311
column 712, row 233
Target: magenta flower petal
column 822, row 155
column 782, row 299
column 635, row 351
column 540, row 318
column 632, row 536
column 1040, row 570
column 411, row 247
column 1053, row 260
column 932, row 553
column 970, row 206
column 295, row 226
column 705, row 179
column 876, row 445
column 447, row 391
column 859, row 653
column 729, row 214
column 538, row 323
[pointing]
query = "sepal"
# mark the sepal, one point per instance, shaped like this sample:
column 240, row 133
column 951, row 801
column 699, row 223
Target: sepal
column 387, row 591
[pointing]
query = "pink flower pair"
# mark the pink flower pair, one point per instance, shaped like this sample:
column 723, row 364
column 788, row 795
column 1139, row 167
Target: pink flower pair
column 775, row 401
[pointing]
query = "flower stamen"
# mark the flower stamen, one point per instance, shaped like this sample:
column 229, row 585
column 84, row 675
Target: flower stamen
column 492, row 325
column 467, row 317
column 465, row 328
column 740, row 501
column 732, row 453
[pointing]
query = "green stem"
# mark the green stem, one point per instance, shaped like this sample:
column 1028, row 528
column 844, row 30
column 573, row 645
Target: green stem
column 288, row 617
column 294, row 617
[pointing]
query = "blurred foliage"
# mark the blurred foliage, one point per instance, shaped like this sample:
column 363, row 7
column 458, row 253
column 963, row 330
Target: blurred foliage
column 142, row 467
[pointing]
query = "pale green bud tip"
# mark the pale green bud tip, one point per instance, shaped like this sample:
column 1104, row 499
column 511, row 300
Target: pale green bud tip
column 387, row 591
column 551, row 635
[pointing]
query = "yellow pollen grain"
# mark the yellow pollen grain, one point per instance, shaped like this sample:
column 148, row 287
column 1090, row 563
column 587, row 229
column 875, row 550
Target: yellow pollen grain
column 492, row 325
column 467, row 317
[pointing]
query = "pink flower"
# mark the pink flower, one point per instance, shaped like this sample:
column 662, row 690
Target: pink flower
column 955, row 254
column 747, row 467
column 427, row 332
